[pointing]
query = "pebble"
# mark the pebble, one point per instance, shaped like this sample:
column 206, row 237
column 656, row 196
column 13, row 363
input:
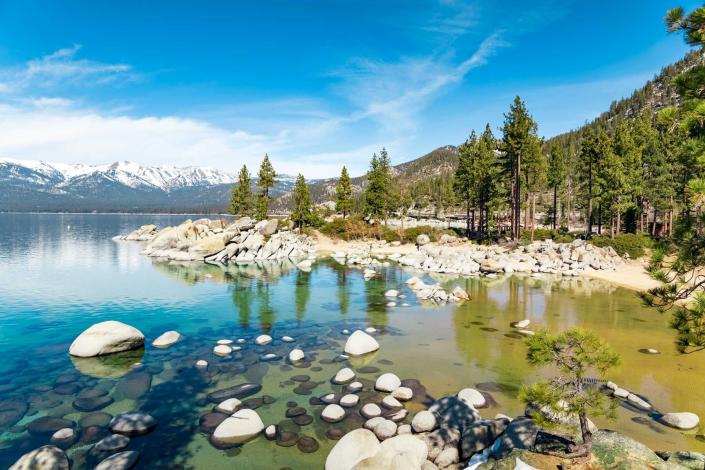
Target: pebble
column 370, row 410
column 354, row 387
column 270, row 432
column 385, row 429
column 296, row 355
column 228, row 406
column 307, row 444
column 222, row 350
column 112, row 443
column 201, row 364
column 391, row 402
column 387, row 382
column 349, row 400
column 403, row 393
column 372, row 422
column 370, row 330
column 333, row 413
column 287, row 339
column 225, row 342
column 344, row 375
column 424, row 421
column 263, row 339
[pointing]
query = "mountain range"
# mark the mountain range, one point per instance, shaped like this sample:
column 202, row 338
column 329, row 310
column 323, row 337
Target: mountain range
column 120, row 186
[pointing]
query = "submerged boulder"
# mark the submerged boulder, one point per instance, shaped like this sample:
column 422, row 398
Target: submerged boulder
column 167, row 339
column 106, row 338
column 44, row 458
column 240, row 427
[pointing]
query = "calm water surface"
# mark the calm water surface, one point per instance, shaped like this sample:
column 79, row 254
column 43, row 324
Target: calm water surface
column 61, row 273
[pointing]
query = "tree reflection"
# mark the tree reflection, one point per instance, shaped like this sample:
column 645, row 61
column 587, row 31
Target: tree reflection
column 302, row 293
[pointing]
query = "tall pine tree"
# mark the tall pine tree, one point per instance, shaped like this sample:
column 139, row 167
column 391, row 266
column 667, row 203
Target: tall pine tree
column 265, row 180
column 557, row 172
column 241, row 201
column 343, row 194
column 519, row 135
column 302, row 210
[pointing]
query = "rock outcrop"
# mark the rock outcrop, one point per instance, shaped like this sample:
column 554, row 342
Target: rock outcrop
column 217, row 241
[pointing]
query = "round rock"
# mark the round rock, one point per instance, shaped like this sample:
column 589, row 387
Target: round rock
column 385, row 429
column 228, row 406
column 240, row 427
column 46, row 457
column 344, row 375
column 360, row 343
column 112, row 443
column 132, row 424
column 120, row 461
column 370, row 410
column 296, row 355
column 333, row 413
column 683, row 420
column 263, row 339
column 222, row 350
column 349, row 400
column 387, row 382
column 106, row 338
column 167, row 339
column 472, row 397
column 424, row 421
column 403, row 394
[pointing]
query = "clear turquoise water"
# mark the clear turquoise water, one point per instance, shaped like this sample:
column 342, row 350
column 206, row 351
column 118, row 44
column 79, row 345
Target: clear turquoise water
column 61, row 273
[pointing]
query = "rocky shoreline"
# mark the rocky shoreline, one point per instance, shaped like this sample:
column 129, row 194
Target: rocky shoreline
column 215, row 241
column 376, row 419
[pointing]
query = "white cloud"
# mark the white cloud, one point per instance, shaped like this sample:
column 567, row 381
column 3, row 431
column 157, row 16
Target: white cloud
column 88, row 137
column 61, row 68
column 395, row 93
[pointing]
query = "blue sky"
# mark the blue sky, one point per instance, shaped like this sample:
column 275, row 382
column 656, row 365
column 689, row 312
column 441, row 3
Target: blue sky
column 316, row 84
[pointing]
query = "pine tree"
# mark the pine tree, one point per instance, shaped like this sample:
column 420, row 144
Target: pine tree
column 377, row 193
column 464, row 181
column 265, row 180
column 343, row 193
column 534, row 173
column 519, row 133
column 302, row 211
column 557, row 172
column 576, row 354
column 241, row 202
column 590, row 156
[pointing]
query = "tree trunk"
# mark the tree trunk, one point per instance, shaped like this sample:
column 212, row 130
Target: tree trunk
column 585, row 431
column 589, row 207
column 533, row 215
column 517, row 197
column 467, row 219
column 555, row 205
column 619, row 222
column 599, row 219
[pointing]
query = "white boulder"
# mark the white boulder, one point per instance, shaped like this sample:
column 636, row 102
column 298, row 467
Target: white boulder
column 228, row 406
column 360, row 343
column 263, row 339
column 240, row 427
column 351, row 449
column 472, row 397
column 683, row 420
column 333, row 413
column 424, row 421
column 167, row 339
column 387, row 382
column 296, row 355
column 344, row 375
column 106, row 338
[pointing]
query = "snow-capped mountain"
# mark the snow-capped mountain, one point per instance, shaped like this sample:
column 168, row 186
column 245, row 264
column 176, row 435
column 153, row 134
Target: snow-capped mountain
column 121, row 186
column 127, row 173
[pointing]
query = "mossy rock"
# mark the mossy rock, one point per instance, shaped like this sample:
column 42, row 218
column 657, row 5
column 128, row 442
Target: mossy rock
column 616, row 451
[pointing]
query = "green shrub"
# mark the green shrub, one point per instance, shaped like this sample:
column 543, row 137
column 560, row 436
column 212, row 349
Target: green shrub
column 356, row 228
column 629, row 243
column 558, row 236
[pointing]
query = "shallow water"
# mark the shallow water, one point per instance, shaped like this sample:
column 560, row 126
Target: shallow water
column 61, row 273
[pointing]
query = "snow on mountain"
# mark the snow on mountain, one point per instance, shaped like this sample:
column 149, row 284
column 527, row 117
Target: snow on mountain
column 133, row 175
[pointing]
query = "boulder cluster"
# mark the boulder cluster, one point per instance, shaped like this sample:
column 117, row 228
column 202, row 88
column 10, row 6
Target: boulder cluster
column 568, row 259
column 242, row 241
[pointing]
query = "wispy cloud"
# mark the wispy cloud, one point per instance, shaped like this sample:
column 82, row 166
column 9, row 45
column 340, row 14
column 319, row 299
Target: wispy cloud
column 454, row 18
column 395, row 93
column 61, row 68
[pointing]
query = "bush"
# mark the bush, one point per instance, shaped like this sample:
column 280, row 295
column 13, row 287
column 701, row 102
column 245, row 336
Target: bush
column 629, row 243
column 356, row 228
column 558, row 236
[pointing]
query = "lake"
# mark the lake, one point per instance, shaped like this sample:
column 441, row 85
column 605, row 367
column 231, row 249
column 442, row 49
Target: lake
column 61, row 273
